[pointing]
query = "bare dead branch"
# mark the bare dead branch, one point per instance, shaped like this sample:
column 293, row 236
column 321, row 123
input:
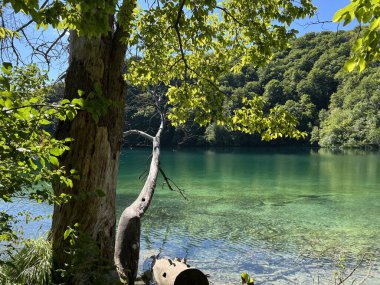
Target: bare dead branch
column 127, row 244
column 171, row 184
column 140, row 133
column 318, row 22
column 144, row 174
column 46, row 53
column 368, row 272
column 342, row 280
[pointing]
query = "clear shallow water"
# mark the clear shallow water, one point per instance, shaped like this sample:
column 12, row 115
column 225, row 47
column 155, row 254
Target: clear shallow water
column 286, row 216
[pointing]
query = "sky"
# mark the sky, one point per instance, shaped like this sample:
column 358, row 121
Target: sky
column 325, row 12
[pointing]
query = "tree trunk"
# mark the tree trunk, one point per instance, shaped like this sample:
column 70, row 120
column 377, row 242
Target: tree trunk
column 94, row 153
column 127, row 246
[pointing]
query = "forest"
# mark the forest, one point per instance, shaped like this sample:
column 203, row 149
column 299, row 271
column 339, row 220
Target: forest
column 334, row 108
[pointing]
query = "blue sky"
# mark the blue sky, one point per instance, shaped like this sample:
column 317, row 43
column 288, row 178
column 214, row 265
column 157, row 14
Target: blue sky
column 325, row 12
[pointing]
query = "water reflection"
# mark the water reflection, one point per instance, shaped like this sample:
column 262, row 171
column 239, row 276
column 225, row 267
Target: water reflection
column 282, row 215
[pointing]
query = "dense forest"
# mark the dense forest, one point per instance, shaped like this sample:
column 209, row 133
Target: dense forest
column 334, row 108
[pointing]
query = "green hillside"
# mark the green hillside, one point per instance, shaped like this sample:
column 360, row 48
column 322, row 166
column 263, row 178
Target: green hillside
column 335, row 108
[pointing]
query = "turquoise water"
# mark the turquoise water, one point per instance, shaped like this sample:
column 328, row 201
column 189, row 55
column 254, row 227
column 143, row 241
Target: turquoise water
column 285, row 216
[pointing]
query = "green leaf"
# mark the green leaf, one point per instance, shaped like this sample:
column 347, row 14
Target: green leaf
column 57, row 151
column 78, row 102
column 70, row 114
column 244, row 277
column 67, row 233
column 374, row 24
column 339, row 15
column 53, row 160
column 362, row 64
column 350, row 64
column 7, row 67
column 2, row 33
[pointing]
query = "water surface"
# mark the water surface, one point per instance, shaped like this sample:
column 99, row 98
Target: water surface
column 284, row 215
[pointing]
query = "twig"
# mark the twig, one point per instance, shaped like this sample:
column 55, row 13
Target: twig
column 228, row 13
column 144, row 174
column 368, row 273
column 172, row 185
column 341, row 281
column 176, row 28
column 31, row 21
column 46, row 54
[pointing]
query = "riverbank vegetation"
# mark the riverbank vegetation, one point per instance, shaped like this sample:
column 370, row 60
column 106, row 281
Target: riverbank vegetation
column 334, row 108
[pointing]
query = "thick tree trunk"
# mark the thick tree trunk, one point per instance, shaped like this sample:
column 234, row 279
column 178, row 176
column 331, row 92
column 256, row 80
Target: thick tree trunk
column 94, row 153
column 127, row 246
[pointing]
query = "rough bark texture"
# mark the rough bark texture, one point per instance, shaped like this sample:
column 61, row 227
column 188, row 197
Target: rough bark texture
column 127, row 246
column 94, row 153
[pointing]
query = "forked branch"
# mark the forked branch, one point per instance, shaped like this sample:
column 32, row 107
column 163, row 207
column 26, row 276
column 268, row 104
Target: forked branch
column 127, row 245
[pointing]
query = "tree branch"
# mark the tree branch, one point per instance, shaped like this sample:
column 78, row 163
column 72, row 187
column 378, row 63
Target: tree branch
column 140, row 133
column 46, row 54
column 342, row 280
column 31, row 21
column 127, row 246
column 172, row 185
column 228, row 13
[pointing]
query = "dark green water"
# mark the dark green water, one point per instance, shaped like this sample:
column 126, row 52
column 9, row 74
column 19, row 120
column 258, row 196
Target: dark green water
column 285, row 216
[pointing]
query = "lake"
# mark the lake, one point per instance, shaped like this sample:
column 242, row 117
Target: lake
column 286, row 216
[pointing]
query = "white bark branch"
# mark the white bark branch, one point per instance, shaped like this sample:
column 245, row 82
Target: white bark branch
column 140, row 133
column 127, row 245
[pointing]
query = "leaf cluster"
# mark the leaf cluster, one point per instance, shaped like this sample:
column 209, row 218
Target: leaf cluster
column 367, row 45
column 188, row 45
column 29, row 155
column 90, row 18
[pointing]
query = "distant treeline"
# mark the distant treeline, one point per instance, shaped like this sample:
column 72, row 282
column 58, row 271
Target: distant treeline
column 335, row 108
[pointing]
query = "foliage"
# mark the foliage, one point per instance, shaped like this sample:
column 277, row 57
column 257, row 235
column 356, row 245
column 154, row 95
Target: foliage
column 367, row 45
column 353, row 119
column 28, row 152
column 246, row 279
column 82, row 16
column 306, row 79
column 188, row 45
column 29, row 265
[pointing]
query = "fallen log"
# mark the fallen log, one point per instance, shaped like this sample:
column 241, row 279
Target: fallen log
column 177, row 272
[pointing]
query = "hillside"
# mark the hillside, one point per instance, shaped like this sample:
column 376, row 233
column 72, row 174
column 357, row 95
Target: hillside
column 335, row 108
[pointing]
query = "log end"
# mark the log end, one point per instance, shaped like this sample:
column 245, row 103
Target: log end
column 177, row 272
column 191, row 276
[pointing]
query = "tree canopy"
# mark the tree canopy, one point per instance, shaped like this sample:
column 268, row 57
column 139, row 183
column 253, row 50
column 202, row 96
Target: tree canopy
column 308, row 80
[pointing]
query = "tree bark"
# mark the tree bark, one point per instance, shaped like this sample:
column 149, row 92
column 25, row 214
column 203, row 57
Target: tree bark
column 94, row 153
column 127, row 246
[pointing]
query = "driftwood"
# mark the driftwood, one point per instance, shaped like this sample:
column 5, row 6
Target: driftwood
column 127, row 247
column 177, row 272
